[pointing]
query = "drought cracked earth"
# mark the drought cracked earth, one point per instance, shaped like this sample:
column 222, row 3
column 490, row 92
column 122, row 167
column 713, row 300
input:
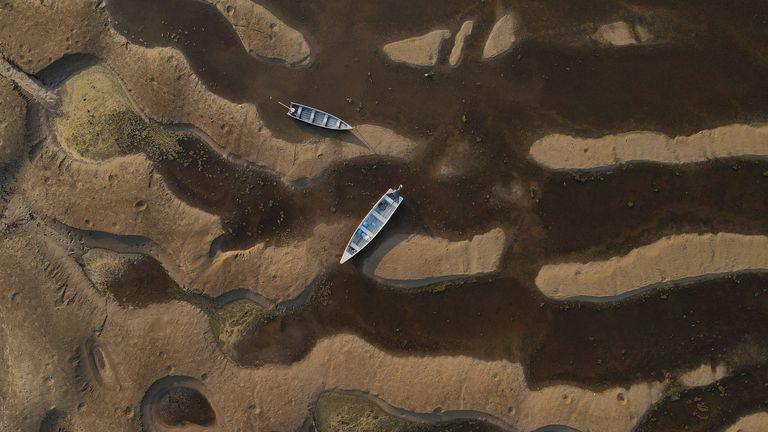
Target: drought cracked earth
column 582, row 246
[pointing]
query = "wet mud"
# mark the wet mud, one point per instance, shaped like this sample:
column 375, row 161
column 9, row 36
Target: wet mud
column 713, row 76
column 713, row 407
column 141, row 283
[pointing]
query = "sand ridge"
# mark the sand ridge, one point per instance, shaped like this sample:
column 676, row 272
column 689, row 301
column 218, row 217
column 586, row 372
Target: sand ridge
column 263, row 34
column 147, row 344
column 122, row 195
column 673, row 258
column 278, row 273
column 750, row 423
column 503, row 36
column 457, row 52
column 621, row 33
column 419, row 51
column 562, row 152
column 423, row 258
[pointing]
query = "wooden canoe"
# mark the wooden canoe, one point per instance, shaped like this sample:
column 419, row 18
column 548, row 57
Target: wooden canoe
column 373, row 223
column 316, row 117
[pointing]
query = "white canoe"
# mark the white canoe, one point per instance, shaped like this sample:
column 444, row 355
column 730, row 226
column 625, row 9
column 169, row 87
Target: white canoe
column 316, row 117
column 373, row 223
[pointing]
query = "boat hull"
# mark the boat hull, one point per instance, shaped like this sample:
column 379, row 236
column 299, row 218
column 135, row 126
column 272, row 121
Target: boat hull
column 373, row 223
column 316, row 117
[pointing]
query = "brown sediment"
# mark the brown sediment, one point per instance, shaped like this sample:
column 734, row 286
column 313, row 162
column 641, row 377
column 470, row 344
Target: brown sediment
column 278, row 395
column 674, row 258
column 618, row 33
column 417, row 259
column 502, row 37
column 509, row 103
column 750, row 423
column 604, row 214
column 121, row 195
column 704, row 375
column 419, row 50
column 263, row 34
column 278, row 272
column 711, row 407
column 349, row 411
column 572, row 153
column 173, row 402
column 132, row 279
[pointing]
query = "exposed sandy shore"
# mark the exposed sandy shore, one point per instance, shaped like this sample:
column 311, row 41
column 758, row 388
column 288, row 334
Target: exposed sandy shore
column 236, row 129
column 672, row 258
column 423, row 258
column 566, row 152
column 751, row 423
column 144, row 345
column 703, row 375
column 503, row 36
column 457, row 52
column 160, row 82
column 420, row 50
column 276, row 272
column 123, row 196
column 619, row 33
column 263, row 34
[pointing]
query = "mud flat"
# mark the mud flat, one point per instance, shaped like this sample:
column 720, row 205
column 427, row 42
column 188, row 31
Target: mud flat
column 161, row 83
column 276, row 272
column 572, row 153
column 263, row 34
column 145, row 345
column 419, row 51
column 419, row 259
column 750, row 423
column 122, row 195
column 502, row 37
column 457, row 52
column 674, row 258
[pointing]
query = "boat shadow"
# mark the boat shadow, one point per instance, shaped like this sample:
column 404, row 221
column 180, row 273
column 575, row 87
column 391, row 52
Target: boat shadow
column 353, row 136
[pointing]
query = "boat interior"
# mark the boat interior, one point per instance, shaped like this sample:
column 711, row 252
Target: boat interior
column 317, row 117
column 373, row 222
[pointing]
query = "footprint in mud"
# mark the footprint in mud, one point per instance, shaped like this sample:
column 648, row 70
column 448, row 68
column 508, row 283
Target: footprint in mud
column 176, row 403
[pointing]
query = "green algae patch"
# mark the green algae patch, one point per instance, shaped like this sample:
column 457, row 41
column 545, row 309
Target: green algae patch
column 96, row 121
column 341, row 412
column 231, row 320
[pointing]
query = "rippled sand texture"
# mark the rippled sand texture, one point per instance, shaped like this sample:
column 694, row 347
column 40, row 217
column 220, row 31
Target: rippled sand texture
column 581, row 246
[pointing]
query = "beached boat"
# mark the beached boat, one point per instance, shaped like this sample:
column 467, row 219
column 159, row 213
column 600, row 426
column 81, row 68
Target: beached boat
column 316, row 117
column 373, row 223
